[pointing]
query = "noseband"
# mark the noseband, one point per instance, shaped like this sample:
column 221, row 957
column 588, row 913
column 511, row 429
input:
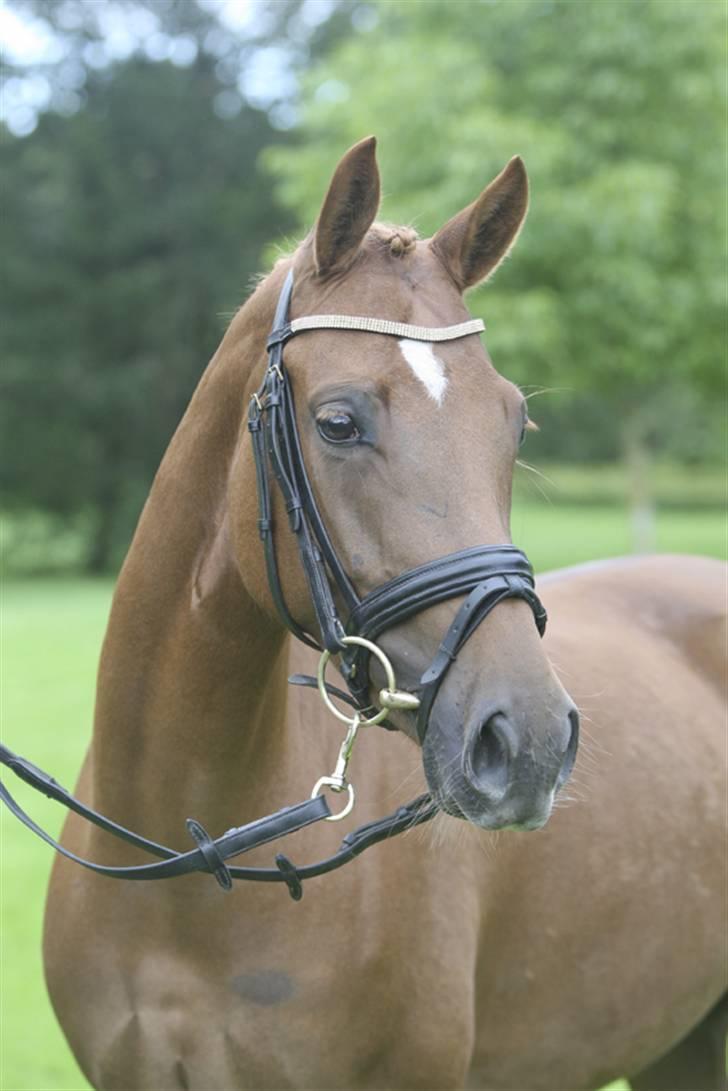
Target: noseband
column 484, row 574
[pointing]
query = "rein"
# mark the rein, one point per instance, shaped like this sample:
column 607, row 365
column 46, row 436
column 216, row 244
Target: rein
column 211, row 855
column 486, row 575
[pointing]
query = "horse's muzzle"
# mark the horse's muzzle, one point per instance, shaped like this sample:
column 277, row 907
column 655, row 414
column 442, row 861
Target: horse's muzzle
column 506, row 771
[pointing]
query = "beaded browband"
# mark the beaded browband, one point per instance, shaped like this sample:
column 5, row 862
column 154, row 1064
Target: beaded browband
column 383, row 325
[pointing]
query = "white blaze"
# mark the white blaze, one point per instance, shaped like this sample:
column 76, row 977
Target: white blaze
column 428, row 368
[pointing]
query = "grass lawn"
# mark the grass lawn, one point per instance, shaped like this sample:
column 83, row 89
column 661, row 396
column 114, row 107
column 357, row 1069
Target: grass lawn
column 51, row 633
column 554, row 535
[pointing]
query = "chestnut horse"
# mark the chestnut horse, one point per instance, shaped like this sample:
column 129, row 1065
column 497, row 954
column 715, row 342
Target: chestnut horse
column 448, row 957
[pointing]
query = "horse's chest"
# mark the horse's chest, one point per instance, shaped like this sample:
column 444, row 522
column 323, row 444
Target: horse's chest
column 296, row 1000
column 272, row 1030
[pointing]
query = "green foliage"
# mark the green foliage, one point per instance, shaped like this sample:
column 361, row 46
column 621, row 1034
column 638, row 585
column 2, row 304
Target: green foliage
column 133, row 226
column 618, row 109
column 135, row 213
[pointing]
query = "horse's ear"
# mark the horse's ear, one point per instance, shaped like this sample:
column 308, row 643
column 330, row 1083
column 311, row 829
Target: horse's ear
column 349, row 208
column 473, row 244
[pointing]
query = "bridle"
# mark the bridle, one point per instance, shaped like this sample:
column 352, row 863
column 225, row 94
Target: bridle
column 485, row 575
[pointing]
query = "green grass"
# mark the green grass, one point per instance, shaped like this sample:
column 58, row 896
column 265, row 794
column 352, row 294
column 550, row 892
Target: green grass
column 554, row 536
column 51, row 635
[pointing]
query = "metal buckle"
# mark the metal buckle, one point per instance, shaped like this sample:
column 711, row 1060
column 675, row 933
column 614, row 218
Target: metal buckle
column 337, row 782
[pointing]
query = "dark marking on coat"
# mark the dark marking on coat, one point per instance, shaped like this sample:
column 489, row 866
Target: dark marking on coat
column 264, row 987
column 182, row 1078
column 440, row 513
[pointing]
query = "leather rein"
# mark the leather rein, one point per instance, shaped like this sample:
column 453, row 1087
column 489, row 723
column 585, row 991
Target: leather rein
column 485, row 575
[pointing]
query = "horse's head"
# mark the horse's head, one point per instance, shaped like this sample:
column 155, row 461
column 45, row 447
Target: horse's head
column 410, row 447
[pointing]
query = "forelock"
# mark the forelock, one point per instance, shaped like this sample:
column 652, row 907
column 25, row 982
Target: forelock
column 400, row 241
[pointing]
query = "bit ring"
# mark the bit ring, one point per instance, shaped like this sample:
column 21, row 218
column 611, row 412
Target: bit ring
column 361, row 642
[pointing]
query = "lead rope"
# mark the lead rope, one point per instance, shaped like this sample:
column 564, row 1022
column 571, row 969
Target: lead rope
column 211, row 854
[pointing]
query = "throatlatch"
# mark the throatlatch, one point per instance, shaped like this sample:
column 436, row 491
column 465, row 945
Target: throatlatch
column 484, row 574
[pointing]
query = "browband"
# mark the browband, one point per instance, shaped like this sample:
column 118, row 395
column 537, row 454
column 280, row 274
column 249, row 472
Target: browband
column 383, row 325
column 284, row 329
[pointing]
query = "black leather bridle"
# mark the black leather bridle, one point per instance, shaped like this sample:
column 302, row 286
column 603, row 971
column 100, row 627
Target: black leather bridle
column 485, row 575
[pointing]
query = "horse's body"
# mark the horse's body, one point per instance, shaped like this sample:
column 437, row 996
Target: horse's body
column 448, row 957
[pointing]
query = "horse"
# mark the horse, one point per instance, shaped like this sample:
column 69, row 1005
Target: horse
column 583, row 942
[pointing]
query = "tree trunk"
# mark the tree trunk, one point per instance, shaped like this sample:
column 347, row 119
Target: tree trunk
column 642, row 509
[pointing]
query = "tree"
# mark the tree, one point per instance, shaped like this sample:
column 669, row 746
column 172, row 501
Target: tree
column 254, row 49
column 131, row 229
column 134, row 215
column 618, row 108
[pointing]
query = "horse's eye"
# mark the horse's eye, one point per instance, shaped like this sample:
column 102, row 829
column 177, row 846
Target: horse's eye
column 338, row 427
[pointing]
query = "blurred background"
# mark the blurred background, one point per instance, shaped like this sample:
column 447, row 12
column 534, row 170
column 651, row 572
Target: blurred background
column 155, row 156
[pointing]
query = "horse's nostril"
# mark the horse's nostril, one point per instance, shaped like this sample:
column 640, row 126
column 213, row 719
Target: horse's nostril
column 489, row 757
column 570, row 753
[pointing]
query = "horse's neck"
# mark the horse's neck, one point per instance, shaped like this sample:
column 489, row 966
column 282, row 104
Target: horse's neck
column 191, row 702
